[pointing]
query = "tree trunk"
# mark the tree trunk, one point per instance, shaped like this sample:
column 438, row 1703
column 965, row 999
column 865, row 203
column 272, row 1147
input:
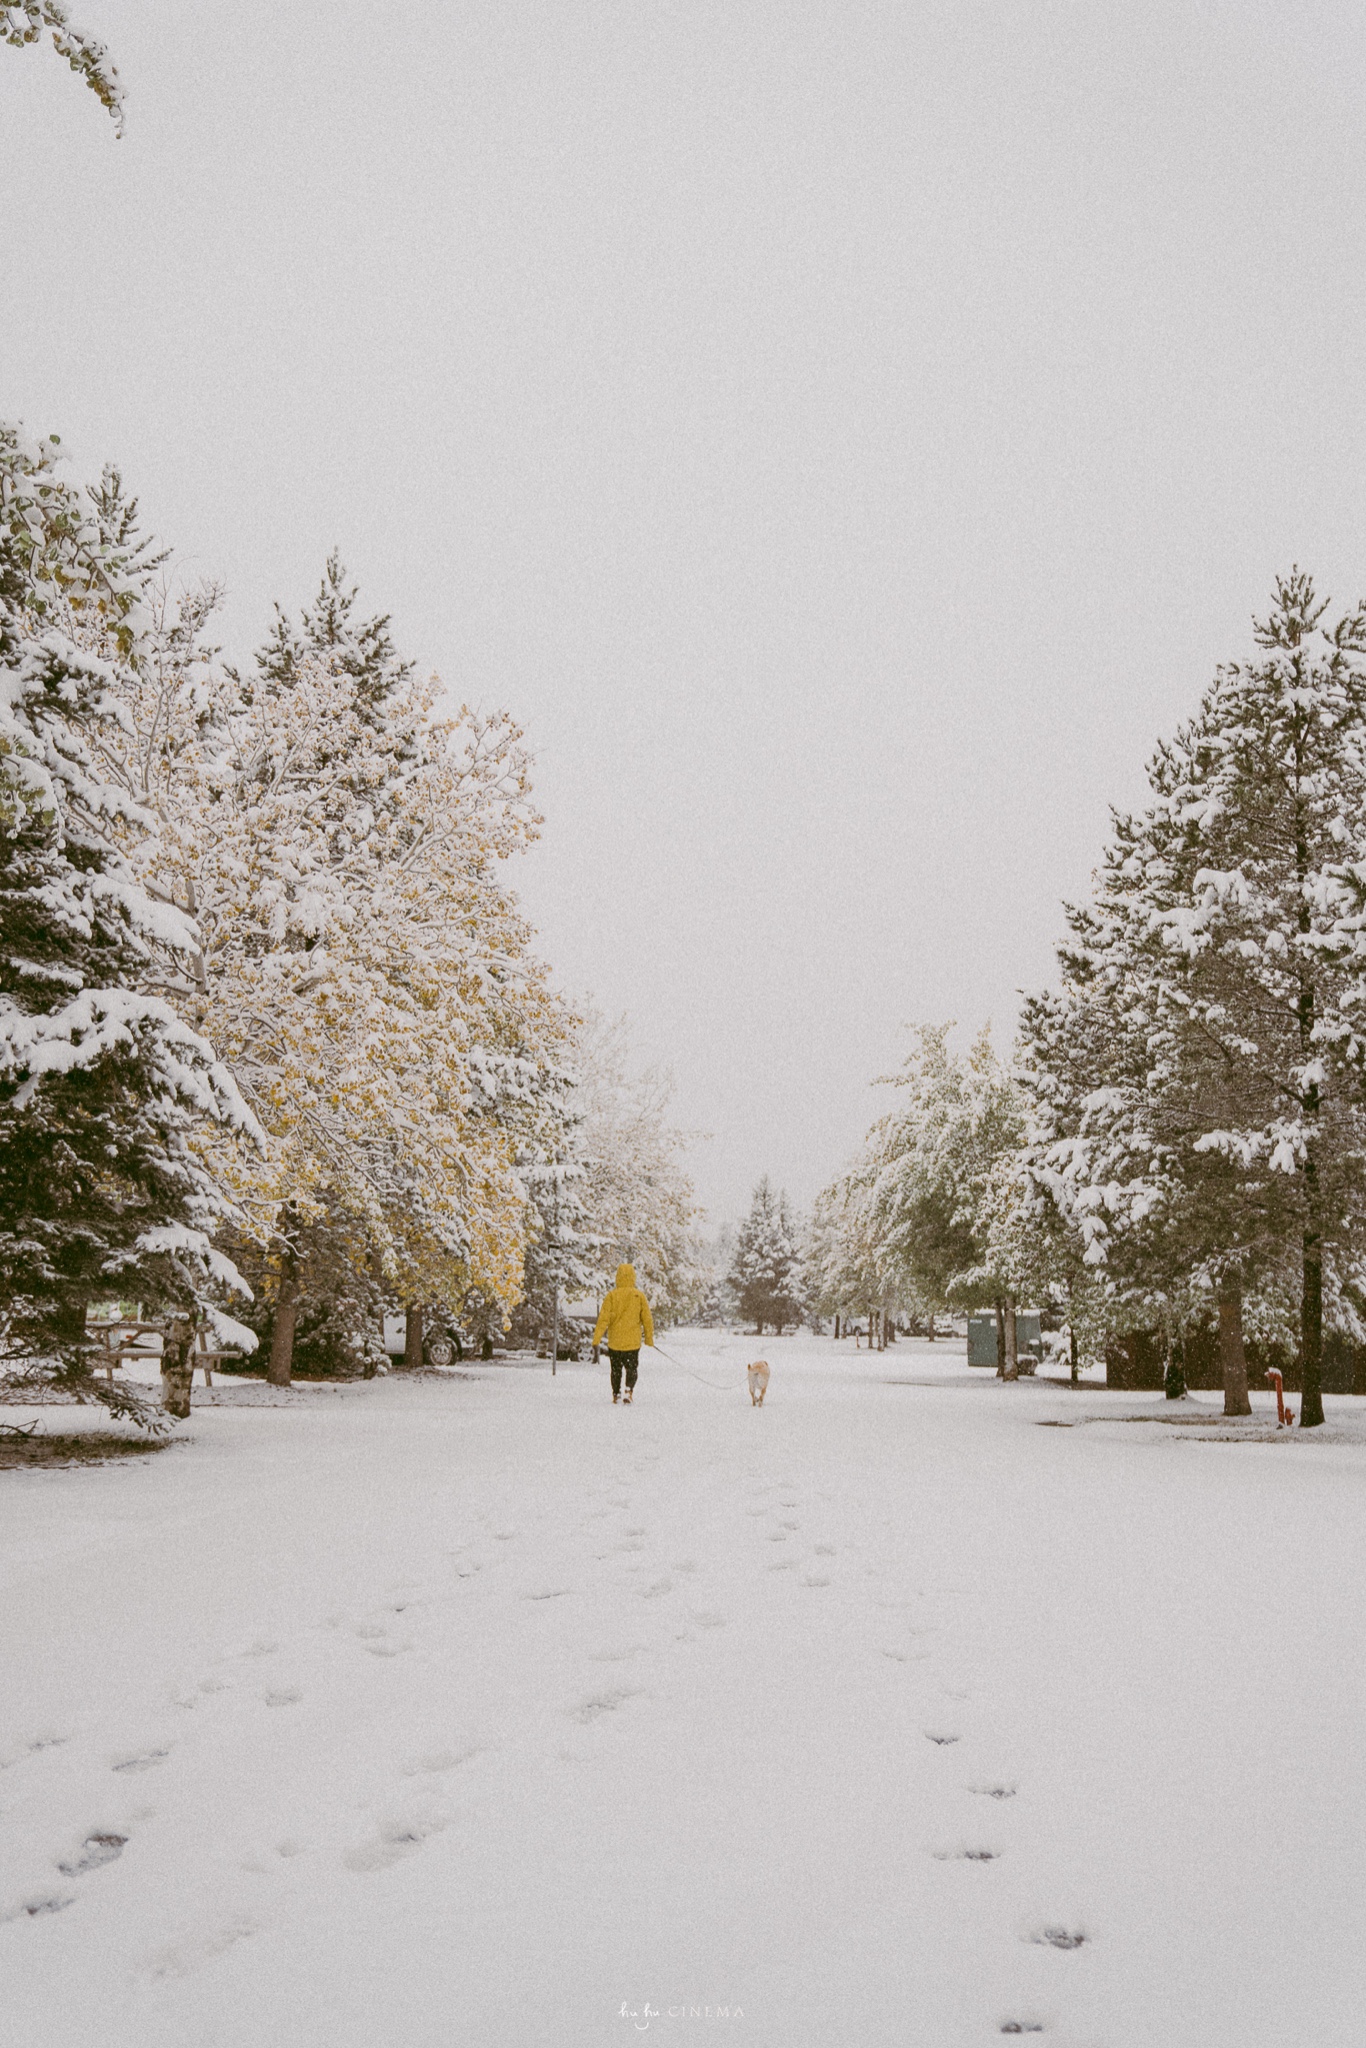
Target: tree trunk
column 412, row 1340
column 281, row 1364
column 1174, row 1378
column 1311, row 1332
column 1072, row 1348
column 1011, row 1370
column 1000, row 1340
column 177, row 1367
column 1232, row 1357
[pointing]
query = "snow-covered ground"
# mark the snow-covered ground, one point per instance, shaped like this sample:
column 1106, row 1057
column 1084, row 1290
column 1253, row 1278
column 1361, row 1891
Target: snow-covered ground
column 481, row 1712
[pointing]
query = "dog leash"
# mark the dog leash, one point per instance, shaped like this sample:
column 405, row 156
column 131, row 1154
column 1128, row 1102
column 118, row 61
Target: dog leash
column 721, row 1386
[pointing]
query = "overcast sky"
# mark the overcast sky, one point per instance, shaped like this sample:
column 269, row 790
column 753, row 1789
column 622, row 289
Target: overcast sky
column 845, row 434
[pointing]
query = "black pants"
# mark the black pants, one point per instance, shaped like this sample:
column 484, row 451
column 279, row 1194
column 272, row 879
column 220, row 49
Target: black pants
column 629, row 1359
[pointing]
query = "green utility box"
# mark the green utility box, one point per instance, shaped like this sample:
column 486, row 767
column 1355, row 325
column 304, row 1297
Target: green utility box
column 982, row 1337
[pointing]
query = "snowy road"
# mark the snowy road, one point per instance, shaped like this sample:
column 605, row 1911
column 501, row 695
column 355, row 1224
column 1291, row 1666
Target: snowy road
column 485, row 1713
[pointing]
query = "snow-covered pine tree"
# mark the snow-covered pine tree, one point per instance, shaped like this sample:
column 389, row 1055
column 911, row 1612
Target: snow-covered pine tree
column 1168, row 1235
column 103, row 1089
column 1228, row 1126
column 333, row 631
column 563, row 1255
column 766, row 1273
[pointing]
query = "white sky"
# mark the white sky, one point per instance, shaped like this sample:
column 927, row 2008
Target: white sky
column 845, row 434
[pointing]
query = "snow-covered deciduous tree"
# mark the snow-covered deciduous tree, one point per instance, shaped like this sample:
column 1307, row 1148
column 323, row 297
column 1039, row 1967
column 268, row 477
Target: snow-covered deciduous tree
column 916, row 1196
column 106, row 1094
column 367, row 976
column 846, row 1271
column 25, row 21
column 338, row 838
column 638, row 1201
column 766, row 1275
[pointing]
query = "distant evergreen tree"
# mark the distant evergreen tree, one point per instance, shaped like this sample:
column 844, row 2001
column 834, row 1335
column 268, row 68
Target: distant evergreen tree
column 766, row 1273
column 712, row 1312
column 360, row 648
column 102, row 1087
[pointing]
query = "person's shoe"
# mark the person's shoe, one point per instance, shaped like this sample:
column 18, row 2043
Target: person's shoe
column 615, row 1399
column 628, row 1398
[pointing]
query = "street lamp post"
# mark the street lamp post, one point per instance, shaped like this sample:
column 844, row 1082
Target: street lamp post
column 555, row 1313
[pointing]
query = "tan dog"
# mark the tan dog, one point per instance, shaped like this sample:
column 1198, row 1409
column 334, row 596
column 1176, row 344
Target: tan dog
column 758, row 1382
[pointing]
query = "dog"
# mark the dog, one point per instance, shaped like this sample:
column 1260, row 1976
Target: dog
column 758, row 1382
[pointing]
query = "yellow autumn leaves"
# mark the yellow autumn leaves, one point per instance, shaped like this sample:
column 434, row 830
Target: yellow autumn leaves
column 363, row 967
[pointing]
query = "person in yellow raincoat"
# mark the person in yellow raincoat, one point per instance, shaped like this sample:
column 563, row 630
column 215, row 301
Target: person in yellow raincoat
column 627, row 1323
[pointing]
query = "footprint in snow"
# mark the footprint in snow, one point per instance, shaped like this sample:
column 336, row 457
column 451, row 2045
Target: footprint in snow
column 1058, row 1937
column 550, row 1593
column 395, row 1840
column 965, row 1855
column 657, row 1590
column 1021, row 2026
column 287, row 1696
column 145, row 1760
column 605, row 1703
column 942, row 1737
column 710, row 1620
column 95, row 1851
column 994, row 1791
column 826, row 1550
column 375, row 1639
column 443, row 1760
column 812, row 1579
column 183, row 1958
column 37, row 1908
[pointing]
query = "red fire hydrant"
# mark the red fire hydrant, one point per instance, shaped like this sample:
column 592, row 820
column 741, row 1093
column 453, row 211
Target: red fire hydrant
column 1285, row 1417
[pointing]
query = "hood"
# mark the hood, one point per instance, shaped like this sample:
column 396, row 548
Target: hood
column 626, row 1276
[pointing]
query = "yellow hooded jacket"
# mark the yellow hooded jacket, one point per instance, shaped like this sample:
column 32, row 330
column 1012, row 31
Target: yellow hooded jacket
column 625, row 1315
